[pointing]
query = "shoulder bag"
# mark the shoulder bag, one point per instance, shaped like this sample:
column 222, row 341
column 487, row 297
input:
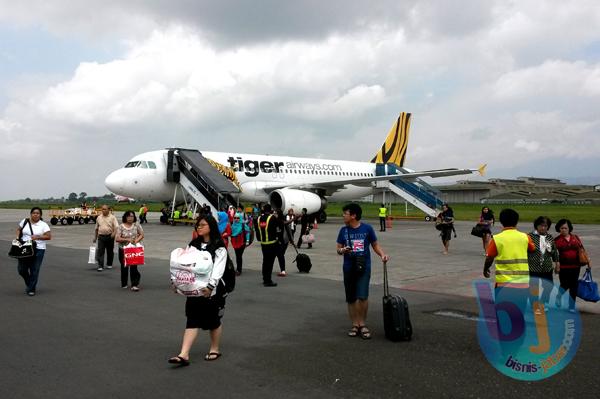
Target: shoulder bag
column 20, row 249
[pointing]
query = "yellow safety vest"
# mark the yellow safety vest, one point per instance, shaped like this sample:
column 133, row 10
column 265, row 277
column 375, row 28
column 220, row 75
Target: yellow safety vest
column 263, row 232
column 382, row 212
column 512, row 269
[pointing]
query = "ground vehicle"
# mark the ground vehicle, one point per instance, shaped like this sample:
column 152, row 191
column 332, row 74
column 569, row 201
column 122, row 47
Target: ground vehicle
column 68, row 216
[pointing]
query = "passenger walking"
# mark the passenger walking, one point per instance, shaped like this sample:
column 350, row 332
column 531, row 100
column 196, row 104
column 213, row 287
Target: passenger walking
column 568, row 245
column 542, row 262
column 266, row 233
column 486, row 221
column 354, row 242
column 129, row 232
column 104, row 234
column 382, row 217
column 224, row 227
column 143, row 213
column 205, row 312
column 283, row 239
column 290, row 221
column 240, row 239
column 36, row 230
column 445, row 221
column 304, row 227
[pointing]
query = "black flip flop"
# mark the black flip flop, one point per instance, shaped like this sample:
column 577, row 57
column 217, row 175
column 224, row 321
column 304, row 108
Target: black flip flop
column 180, row 361
column 209, row 356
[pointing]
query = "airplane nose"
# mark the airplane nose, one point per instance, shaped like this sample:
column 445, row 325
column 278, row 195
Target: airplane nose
column 115, row 182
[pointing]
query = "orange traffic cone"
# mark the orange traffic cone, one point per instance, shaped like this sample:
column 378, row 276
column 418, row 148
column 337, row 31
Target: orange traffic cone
column 315, row 225
column 388, row 222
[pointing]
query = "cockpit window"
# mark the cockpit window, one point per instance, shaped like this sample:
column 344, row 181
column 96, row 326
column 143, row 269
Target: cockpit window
column 151, row 165
column 132, row 164
column 143, row 165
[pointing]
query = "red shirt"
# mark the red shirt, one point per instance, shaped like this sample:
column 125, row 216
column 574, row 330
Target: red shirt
column 568, row 255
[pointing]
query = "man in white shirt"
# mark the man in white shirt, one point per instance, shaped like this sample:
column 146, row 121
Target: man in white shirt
column 106, row 229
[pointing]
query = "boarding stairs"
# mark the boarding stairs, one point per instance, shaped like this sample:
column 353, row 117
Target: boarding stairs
column 416, row 191
column 199, row 179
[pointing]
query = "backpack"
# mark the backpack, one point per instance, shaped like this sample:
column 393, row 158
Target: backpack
column 229, row 275
column 228, row 278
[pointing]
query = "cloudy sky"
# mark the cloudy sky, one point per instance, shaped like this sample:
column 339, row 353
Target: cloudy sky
column 86, row 85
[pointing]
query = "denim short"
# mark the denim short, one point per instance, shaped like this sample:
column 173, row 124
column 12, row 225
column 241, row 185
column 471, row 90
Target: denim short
column 357, row 285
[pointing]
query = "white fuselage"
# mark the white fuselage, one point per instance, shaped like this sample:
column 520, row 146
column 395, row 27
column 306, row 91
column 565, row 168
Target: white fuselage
column 145, row 176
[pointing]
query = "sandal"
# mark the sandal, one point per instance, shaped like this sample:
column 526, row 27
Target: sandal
column 364, row 332
column 353, row 332
column 212, row 356
column 181, row 361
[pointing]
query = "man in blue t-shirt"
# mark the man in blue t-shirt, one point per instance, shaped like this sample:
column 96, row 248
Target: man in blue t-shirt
column 354, row 242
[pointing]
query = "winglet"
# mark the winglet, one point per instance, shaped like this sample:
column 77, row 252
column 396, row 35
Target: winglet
column 394, row 148
column 481, row 169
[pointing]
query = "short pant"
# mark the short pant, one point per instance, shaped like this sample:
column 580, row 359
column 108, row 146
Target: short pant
column 357, row 285
column 204, row 313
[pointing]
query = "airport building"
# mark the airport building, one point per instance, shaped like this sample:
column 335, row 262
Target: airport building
column 521, row 190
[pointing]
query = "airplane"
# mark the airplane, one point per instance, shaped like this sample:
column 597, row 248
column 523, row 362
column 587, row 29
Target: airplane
column 286, row 182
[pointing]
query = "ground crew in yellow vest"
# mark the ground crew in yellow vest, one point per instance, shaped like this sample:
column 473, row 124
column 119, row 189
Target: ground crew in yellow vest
column 266, row 233
column 382, row 217
column 509, row 249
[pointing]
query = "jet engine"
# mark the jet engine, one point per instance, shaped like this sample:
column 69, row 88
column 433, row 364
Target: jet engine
column 287, row 198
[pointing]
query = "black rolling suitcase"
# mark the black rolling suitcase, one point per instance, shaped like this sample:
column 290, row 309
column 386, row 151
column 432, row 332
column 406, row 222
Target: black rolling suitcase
column 396, row 320
column 302, row 260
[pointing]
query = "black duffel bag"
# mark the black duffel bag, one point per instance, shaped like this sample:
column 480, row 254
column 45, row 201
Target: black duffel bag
column 479, row 230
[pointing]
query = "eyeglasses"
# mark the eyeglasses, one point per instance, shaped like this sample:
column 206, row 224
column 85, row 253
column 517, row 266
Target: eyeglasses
column 236, row 218
column 201, row 225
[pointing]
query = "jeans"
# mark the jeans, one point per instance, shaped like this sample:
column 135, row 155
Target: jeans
column 29, row 269
column 381, row 223
column 238, row 257
column 105, row 243
column 281, row 255
column 547, row 284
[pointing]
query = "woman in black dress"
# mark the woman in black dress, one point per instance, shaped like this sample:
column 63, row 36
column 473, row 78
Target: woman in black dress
column 205, row 312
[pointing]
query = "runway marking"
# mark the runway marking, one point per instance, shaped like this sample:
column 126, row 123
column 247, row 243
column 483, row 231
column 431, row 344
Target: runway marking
column 457, row 314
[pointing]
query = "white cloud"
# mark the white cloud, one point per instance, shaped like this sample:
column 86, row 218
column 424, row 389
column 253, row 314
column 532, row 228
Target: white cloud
column 482, row 80
column 529, row 146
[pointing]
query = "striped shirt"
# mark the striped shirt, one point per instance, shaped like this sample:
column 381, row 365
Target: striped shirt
column 541, row 260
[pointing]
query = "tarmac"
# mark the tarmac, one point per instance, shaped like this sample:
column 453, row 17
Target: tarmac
column 83, row 336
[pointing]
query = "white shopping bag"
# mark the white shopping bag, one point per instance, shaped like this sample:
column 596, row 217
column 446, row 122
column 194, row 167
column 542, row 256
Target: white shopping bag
column 190, row 270
column 92, row 255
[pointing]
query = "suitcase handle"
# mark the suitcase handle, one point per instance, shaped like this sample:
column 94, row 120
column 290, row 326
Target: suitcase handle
column 386, row 288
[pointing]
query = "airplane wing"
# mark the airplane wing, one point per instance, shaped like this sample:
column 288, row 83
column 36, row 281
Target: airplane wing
column 332, row 186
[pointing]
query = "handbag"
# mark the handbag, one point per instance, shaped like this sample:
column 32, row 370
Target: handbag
column 308, row 238
column 477, row 230
column 22, row 249
column 582, row 255
column 133, row 254
column 587, row 288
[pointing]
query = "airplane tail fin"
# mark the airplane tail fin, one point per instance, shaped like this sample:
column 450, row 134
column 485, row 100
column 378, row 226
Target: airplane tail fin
column 394, row 148
column 481, row 169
